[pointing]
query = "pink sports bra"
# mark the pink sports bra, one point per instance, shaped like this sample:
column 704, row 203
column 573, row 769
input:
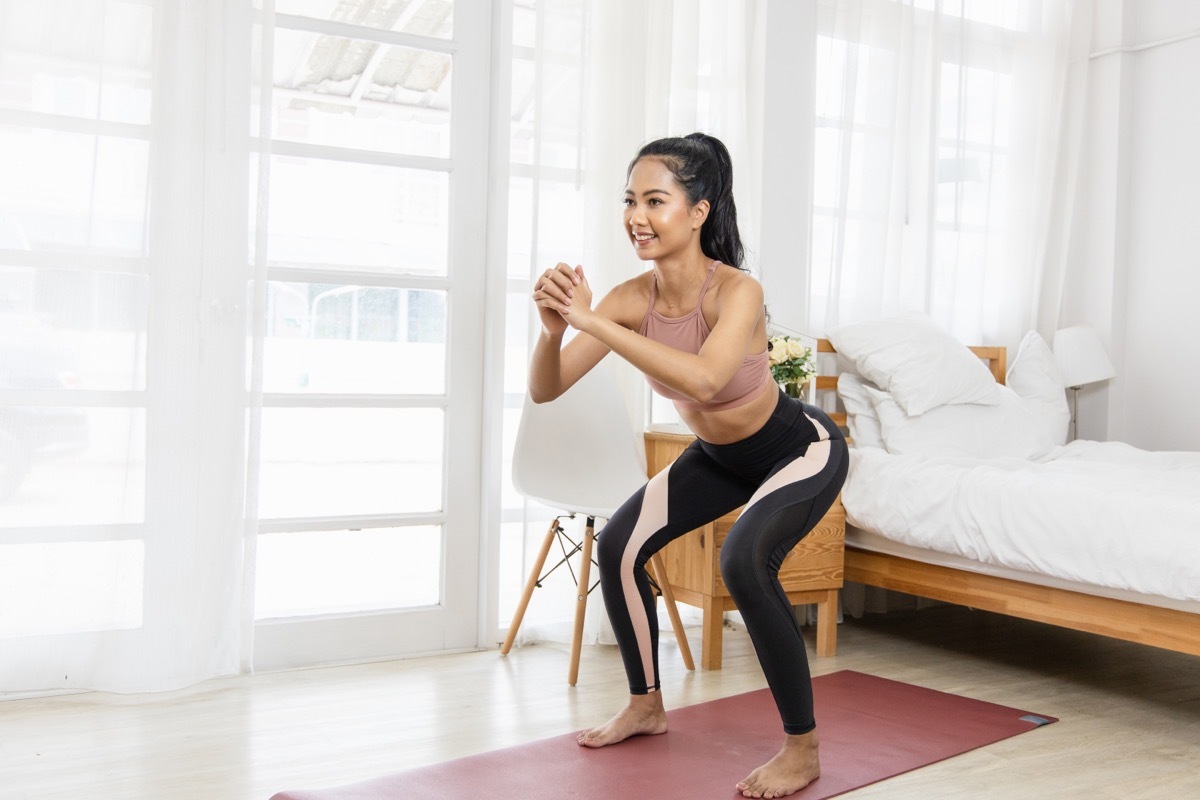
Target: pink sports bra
column 688, row 333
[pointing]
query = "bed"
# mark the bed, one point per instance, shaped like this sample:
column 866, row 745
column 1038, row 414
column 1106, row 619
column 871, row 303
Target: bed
column 968, row 492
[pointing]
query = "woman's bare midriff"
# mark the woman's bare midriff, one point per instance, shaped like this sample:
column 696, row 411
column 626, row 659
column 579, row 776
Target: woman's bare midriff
column 732, row 424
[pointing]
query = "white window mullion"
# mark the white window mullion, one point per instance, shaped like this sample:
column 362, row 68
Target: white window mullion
column 353, row 156
column 357, row 278
column 348, row 30
column 466, row 313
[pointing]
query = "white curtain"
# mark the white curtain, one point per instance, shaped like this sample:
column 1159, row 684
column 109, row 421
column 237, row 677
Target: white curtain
column 948, row 134
column 609, row 77
column 948, row 138
column 122, row 143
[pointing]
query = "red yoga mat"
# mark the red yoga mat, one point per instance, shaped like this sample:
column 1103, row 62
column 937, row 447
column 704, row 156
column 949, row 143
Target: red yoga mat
column 871, row 729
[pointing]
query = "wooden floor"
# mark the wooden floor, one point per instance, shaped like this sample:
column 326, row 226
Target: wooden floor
column 1130, row 716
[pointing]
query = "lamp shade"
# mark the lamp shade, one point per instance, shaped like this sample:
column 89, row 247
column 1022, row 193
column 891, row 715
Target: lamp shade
column 1081, row 357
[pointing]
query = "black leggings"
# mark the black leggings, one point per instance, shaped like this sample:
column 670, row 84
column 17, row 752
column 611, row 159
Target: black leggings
column 787, row 475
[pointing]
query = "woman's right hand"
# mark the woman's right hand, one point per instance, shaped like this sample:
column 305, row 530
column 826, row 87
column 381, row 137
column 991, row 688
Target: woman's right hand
column 552, row 294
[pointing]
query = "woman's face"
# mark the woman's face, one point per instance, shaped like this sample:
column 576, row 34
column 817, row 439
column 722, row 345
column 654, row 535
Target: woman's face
column 658, row 218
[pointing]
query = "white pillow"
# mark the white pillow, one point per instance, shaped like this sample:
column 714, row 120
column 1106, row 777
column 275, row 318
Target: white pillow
column 1036, row 378
column 1008, row 429
column 917, row 362
column 860, row 412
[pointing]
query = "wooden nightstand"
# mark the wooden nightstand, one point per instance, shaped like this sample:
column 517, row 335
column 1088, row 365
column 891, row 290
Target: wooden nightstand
column 812, row 572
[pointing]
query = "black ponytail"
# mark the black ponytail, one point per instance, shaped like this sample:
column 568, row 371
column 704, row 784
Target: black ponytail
column 702, row 167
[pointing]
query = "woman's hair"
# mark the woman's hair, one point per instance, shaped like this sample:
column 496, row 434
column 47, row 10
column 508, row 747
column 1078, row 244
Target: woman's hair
column 701, row 166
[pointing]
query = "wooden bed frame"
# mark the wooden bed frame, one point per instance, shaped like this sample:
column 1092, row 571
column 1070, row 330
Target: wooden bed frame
column 1121, row 619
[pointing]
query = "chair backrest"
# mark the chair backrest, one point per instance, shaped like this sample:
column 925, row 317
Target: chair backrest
column 579, row 453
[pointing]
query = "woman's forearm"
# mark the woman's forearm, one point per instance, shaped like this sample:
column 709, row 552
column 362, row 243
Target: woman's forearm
column 687, row 373
column 545, row 367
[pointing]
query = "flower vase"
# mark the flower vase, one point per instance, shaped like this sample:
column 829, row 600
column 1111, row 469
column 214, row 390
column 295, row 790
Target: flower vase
column 793, row 389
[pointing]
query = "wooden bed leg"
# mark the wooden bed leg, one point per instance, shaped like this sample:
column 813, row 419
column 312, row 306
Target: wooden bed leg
column 827, row 612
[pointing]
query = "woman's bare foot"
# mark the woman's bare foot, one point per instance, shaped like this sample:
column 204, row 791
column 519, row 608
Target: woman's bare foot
column 644, row 715
column 795, row 766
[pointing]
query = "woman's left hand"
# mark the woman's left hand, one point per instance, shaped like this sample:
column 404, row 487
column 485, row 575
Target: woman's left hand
column 580, row 312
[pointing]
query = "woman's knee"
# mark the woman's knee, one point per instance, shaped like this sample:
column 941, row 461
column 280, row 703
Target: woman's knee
column 740, row 570
column 608, row 550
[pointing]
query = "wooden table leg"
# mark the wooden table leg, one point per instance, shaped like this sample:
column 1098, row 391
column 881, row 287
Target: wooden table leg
column 827, row 612
column 712, row 628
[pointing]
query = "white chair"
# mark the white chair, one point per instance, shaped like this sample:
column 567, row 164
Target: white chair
column 580, row 454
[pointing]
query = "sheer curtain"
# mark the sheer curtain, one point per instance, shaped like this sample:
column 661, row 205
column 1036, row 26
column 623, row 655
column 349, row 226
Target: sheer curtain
column 947, row 138
column 123, row 328
column 599, row 80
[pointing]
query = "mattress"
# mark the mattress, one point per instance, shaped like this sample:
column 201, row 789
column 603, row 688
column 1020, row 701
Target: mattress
column 1099, row 517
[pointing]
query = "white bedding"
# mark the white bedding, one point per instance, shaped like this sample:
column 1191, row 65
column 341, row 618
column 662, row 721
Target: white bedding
column 1101, row 513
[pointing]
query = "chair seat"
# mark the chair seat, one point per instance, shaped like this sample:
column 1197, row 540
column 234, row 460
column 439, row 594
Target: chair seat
column 600, row 512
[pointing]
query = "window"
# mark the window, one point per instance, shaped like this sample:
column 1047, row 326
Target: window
column 362, row 532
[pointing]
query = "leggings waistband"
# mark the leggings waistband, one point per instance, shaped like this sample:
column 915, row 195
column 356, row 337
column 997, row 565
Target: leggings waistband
column 786, row 434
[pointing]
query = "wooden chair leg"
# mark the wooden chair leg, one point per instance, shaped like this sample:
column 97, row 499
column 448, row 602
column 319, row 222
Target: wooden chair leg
column 530, row 585
column 660, row 575
column 585, row 572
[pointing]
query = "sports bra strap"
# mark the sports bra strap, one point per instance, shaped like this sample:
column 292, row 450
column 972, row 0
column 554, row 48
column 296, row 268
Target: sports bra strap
column 712, row 270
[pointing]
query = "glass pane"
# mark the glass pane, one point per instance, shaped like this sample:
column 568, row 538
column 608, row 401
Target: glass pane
column 331, row 461
column 514, row 570
column 510, row 498
column 70, row 587
column 329, row 572
column 358, row 216
column 517, row 321
column 524, row 106
column 561, row 216
column 826, row 167
column 420, row 17
column 61, row 329
column 71, row 466
column 365, row 95
column 338, row 339
column 77, row 58
column 520, row 228
column 524, row 23
column 72, row 191
column 831, row 76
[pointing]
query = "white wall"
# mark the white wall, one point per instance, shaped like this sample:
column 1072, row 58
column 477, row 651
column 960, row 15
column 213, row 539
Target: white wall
column 1135, row 252
column 786, row 165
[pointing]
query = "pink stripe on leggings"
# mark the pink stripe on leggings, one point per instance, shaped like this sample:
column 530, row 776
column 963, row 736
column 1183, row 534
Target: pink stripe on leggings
column 653, row 517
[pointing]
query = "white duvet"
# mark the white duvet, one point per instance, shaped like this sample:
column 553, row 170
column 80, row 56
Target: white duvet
column 1102, row 513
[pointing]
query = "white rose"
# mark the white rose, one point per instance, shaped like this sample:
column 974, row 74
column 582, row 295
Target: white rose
column 779, row 351
column 796, row 349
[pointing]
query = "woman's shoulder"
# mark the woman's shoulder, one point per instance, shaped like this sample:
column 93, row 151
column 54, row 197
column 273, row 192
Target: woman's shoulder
column 736, row 284
column 630, row 298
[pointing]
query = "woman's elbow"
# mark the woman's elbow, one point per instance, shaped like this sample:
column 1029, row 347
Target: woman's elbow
column 703, row 390
column 539, row 394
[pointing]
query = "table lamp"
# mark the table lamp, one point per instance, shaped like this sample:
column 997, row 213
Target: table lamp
column 1082, row 360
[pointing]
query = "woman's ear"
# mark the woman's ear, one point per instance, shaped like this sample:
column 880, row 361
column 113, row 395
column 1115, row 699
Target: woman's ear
column 699, row 214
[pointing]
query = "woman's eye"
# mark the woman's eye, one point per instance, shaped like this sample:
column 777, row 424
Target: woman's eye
column 654, row 201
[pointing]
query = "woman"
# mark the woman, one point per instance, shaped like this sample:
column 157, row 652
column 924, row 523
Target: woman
column 695, row 325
